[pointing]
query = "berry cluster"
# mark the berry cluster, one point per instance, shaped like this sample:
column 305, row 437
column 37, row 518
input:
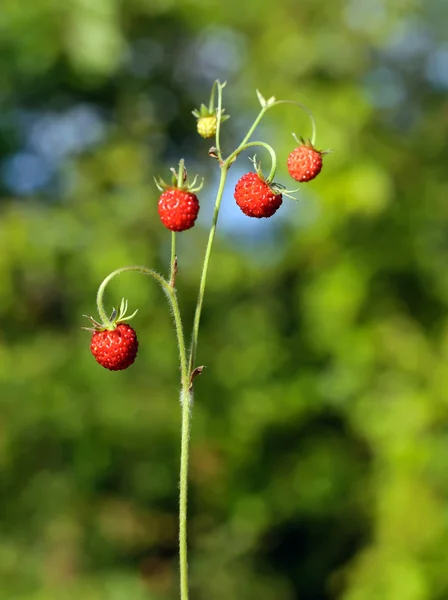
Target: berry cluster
column 114, row 343
column 256, row 197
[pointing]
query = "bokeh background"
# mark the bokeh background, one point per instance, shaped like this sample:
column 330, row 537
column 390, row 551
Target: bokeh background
column 319, row 464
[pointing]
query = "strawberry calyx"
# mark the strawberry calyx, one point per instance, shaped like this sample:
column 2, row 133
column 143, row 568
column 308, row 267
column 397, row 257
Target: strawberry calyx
column 259, row 172
column 180, row 180
column 114, row 320
column 276, row 188
column 205, row 112
column 308, row 144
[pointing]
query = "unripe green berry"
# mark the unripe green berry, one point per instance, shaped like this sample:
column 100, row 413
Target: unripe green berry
column 207, row 126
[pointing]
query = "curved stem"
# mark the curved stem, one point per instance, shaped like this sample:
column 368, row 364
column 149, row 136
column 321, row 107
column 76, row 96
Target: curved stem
column 304, row 108
column 100, row 293
column 275, row 103
column 269, row 148
column 208, row 251
column 174, row 305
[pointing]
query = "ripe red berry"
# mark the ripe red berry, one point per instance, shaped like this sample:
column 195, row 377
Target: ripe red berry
column 304, row 163
column 255, row 197
column 115, row 349
column 178, row 209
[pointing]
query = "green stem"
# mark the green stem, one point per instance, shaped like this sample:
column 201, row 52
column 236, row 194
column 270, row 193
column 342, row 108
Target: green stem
column 305, row 109
column 254, row 125
column 187, row 398
column 187, row 394
column 211, row 104
column 208, row 251
column 173, row 250
column 265, row 109
column 224, row 170
column 183, row 490
column 180, row 175
column 218, row 124
column 173, row 262
column 180, row 338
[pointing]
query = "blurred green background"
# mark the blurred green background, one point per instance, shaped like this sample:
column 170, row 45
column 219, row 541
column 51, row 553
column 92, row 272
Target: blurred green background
column 319, row 465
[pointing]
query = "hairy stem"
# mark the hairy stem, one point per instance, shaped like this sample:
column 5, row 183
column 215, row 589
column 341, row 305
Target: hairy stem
column 173, row 262
column 187, row 393
column 186, row 402
column 170, row 291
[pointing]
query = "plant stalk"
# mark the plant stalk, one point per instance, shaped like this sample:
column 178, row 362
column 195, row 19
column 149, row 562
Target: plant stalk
column 208, row 251
column 183, row 491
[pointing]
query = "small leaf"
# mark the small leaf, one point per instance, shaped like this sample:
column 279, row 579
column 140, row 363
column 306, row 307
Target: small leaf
column 261, row 99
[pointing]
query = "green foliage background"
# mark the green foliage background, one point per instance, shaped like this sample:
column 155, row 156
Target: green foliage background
column 320, row 433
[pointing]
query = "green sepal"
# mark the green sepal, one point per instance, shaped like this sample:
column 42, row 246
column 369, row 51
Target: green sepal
column 180, row 180
column 114, row 319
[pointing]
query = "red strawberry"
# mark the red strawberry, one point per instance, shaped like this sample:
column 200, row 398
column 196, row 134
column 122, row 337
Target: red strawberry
column 305, row 162
column 178, row 209
column 255, row 197
column 115, row 349
column 178, row 203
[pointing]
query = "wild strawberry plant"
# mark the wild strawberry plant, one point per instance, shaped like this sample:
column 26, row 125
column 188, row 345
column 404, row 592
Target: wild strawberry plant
column 114, row 342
